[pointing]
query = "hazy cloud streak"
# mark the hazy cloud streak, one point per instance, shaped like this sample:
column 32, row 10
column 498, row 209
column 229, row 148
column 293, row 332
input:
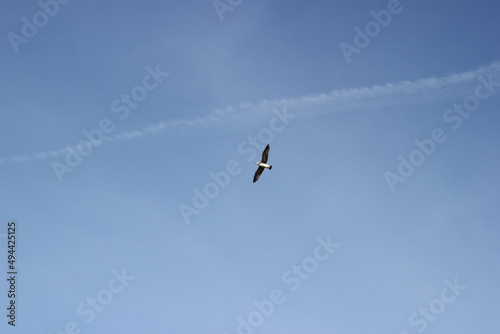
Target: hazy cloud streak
column 404, row 93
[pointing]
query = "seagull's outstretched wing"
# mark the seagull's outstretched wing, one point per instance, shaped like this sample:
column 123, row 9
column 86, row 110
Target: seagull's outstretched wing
column 265, row 154
column 257, row 173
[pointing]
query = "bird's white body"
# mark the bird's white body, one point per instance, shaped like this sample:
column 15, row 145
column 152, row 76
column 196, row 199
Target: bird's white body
column 261, row 164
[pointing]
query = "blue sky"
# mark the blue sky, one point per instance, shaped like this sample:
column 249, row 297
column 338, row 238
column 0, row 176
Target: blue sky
column 105, row 247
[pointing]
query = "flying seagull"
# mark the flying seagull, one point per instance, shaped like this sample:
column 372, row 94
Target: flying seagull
column 263, row 164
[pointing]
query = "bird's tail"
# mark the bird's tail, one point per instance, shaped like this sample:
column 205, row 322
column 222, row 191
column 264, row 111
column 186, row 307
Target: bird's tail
column 270, row 167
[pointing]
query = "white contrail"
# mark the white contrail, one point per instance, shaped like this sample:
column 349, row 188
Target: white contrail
column 403, row 93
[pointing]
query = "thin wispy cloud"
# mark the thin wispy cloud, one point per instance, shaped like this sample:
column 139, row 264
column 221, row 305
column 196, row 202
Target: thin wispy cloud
column 342, row 100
